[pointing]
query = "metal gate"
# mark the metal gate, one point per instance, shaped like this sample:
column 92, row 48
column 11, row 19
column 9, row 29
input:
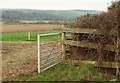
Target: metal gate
column 49, row 53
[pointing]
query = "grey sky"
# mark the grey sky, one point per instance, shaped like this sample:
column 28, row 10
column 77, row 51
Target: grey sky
column 56, row 4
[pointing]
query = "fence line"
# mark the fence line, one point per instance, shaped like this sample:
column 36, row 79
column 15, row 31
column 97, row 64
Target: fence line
column 87, row 44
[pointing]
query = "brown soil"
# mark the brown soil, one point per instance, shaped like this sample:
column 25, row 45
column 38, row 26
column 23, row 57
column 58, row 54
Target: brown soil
column 28, row 27
column 19, row 58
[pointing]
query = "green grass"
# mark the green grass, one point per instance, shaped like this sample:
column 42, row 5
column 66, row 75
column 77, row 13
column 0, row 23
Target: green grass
column 66, row 72
column 23, row 36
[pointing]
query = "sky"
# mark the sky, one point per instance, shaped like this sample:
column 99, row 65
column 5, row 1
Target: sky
column 56, row 4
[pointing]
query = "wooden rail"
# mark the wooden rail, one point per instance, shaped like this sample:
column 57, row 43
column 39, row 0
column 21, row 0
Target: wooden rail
column 100, row 64
column 90, row 31
column 113, row 48
column 90, row 45
column 103, row 64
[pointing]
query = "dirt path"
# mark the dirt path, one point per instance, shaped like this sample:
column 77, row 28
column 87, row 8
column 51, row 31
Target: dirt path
column 19, row 58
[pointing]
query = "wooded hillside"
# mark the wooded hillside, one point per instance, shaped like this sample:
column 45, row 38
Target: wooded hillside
column 29, row 14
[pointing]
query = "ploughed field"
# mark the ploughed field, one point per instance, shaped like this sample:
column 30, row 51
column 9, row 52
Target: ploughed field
column 19, row 32
column 19, row 58
column 29, row 27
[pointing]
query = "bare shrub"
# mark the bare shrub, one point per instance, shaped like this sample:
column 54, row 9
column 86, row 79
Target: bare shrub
column 107, row 21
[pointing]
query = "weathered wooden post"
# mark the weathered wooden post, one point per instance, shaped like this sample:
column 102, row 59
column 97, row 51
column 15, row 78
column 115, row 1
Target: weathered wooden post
column 117, row 57
column 63, row 45
column 28, row 35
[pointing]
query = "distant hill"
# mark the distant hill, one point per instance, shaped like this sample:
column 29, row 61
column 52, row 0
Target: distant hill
column 30, row 14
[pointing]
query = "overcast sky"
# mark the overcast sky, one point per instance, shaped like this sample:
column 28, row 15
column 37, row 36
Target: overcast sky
column 56, row 4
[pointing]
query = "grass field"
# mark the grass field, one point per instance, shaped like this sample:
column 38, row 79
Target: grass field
column 23, row 36
column 67, row 72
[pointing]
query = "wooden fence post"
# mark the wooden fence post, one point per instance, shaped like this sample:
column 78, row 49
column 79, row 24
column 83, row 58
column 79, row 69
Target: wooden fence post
column 63, row 45
column 117, row 57
column 28, row 35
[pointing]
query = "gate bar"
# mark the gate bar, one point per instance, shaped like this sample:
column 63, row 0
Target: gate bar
column 38, row 36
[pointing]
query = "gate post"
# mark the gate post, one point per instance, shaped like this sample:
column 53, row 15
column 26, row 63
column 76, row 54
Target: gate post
column 63, row 45
column 117, row 56
column 38, row 53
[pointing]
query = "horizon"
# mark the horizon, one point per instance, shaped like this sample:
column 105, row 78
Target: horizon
column 99, row 5
column 46, row 9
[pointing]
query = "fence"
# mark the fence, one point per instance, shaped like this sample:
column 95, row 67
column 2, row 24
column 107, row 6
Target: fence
column 67, row 40
column 49, row 53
